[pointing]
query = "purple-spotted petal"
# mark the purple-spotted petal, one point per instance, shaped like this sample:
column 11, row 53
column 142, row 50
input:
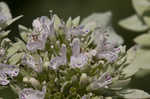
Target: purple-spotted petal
column 59, row 60
column 78, row 61
column 3, row 79
column 29, row 93
column 104, row 80
column 33, row 46
column 7, row 70
column 77, row 31
column 33, row 62
column 4, row 82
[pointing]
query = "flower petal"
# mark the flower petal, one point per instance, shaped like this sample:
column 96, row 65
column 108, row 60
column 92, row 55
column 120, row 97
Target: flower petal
column 29, row 93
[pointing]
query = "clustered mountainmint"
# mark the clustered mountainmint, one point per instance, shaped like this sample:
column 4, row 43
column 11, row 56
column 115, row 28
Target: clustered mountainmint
column 64, row 60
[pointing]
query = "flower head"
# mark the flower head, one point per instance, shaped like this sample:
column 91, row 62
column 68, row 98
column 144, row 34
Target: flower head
column 76, row 31
column 59, row 60
column 43, row 27
column 7, row 70
column 78, row 59
column 105, row 49
column 33, row 62
column 36, row 42
column 104, row 80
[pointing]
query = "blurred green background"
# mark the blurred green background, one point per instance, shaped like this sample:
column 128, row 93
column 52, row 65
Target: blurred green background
column 65, row 8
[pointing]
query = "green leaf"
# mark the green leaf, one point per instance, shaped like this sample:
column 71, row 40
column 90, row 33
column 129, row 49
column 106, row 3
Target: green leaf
column 142, row 73
column 24, row 32
column 57, row 22
column 134, row 94
column 100, row 19
column 15, row 47
column 66, row 86
column 114, row 38
column 119, row 84
column 141, row 60
column 13, row 20
column 133, row 23
column 143, row 40
column 4, row 33
column 7, row 93
column 76, row 21
column 69, row 23
column 12, row 50
column 131, row 54
column 147, row 19
column 15, row 58
column 22, row 28
column 5, row 12
column 4, row 9
column 5, row 43
column 89, row 26
column 141, row 6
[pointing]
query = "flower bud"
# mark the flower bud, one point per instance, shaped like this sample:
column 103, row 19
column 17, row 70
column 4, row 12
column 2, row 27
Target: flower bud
column 35, row 83
column 26, row 79
column 84, row 79
column 45, row 65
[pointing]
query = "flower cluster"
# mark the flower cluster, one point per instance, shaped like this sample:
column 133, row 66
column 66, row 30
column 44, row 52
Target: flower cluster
column 65, row 60
column 6, row 71
column 66, row 57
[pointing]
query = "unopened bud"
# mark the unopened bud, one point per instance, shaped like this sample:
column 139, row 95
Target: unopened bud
column 122, row 49
column 45, row 65
column 84, row 79
column 26, row 79
column 35, row 83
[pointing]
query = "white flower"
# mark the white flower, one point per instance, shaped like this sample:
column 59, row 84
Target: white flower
column 44, row 25
column 3, row 79
column 36, row 42
column 37, row 25
column 76, row 31
column 59, row 60
column 105, row 50
column 7, row 70
column 43, row 28
column 33, row 62
column 110, row 55
column 12, row 72
column 104, row 80
column 29, row 93
column 77, row 59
